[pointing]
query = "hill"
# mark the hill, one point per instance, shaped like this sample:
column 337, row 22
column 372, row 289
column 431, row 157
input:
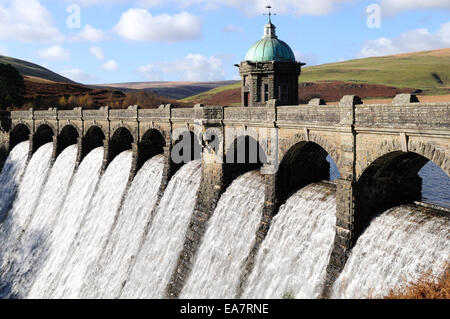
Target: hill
column 34, row 71
column 427, row 72
column 173, row 90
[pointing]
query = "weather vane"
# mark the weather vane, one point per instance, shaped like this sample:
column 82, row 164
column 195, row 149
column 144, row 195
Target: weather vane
column 270, row 14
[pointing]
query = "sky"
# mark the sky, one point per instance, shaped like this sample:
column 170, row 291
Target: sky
column 100, row 41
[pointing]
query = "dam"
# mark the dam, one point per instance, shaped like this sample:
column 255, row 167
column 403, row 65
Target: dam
column 160, row 203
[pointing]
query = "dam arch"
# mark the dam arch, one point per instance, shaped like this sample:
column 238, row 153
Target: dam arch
column 151, row 143
column 19, row 133
column 44, row 134
column 67, row 136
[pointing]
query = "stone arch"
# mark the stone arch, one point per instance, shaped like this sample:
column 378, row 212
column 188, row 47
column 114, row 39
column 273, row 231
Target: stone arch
column 95, row 127
column 317, row 139
column 121, row 126
column 44, row 134
column 121, row 140
column 242, row 155
column 20, row 132
column 302, row 162
column 46, row 124
column 74, row 125
column 186, row 147
column 145, row 128
column 152, row 143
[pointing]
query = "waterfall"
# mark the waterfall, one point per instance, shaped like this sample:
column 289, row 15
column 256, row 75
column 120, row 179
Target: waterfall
column 158, row 256
column 292, row 261
column 10, row 177
column 95, row 227
column 32, row 248
column 106, row 279
column 19, row 216
column 398, row 247
column 68, row 223
column 228, row 240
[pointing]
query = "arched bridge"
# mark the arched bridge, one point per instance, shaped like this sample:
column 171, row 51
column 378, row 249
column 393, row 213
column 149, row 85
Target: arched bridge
column 378, row 149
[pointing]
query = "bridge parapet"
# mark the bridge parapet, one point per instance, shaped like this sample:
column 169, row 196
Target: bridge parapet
column 307, row 114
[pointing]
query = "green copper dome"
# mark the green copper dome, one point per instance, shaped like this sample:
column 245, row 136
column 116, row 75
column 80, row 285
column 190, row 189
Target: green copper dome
column 270, row 48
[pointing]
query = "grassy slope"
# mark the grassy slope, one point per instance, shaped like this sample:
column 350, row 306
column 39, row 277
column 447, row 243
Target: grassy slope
column 34, row 70
column 413, row 70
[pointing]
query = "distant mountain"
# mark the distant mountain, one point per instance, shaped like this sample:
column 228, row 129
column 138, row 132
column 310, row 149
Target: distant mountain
column 426, row 72
column 34, row 71
column 173, row 90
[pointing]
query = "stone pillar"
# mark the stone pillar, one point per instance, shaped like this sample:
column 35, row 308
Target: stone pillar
column 4, row 145
column 211, row 187
column 106, row 155
column 168, row 171
column 56, row 149
column 32, row 147
column 345, row 194
column 81, row 152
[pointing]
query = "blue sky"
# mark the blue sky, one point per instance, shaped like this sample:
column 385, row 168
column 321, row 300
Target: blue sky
column 200, row 40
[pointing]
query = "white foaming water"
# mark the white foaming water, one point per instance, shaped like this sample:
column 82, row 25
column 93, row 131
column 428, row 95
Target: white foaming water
column 292, row 261
column 32, row 249
column 10, row 177
column 95, row 227
column 69, row 221
column 158, row 256
column 398, row 247
column 106, row 279
column 228, row 240
column 18, row 217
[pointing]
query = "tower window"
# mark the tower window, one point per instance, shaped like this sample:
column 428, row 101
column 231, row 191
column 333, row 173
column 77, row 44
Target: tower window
column 246, row 98
column 266, row 92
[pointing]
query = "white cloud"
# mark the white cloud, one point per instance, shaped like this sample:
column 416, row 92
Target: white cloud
column 3, row 50
column 97, row 52
column 110, row 66
column 77, row 75
column 141, row 25
column 193, row 67
column 233, row 28
column 308, row 58
column 55, row 52
column 90, row 34
column 391, row 7
column 28, row 21
column 410, row 41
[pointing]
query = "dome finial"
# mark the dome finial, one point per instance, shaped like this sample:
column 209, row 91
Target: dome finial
column 269, row 28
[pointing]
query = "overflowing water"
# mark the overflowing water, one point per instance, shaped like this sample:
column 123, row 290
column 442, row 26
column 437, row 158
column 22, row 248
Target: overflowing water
column 10, row 177
column 292, row 261
column 68, row 223
column 158, row 256
column 95, row 227
column 397, row 248
column 110, row 273
column 32, row 248
column 18, row 218
column 228, row 240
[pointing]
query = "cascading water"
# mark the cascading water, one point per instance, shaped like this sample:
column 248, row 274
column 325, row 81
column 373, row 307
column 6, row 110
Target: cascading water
column 19, row 216
column 69, row 221
column 292, row 261
column 228, row 240
column 106, row 279
column 95, row 228
column 158, row 256
column 398, row 247
column 10, row 177
column 32, row 249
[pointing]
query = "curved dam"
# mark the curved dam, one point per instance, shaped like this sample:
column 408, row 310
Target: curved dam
column 75, row 232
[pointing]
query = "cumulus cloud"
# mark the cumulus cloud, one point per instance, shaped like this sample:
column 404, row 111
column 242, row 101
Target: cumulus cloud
column 233, row 28
column 110, row 66
column 28, row 21
column 97, row 52
column 193, row 67
column 141, row 25
column 78, row 75
column 90, row 34
column 391, row 7
column 410, row 41
column 55, row 52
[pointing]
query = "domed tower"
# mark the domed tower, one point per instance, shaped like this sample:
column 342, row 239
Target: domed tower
column 269, row 71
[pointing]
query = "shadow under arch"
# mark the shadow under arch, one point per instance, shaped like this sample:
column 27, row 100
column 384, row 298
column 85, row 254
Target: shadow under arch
column 93, row 138
column 68, row 136
column 122, row 140
column 152, row 143
column 187, row 147
column 304, row 163
column 43, row 135
column 243, row 155
column 391, row 180
column 19, row 134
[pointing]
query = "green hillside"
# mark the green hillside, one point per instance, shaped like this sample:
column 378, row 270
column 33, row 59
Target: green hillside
column 30, row 69
column 428, row 71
